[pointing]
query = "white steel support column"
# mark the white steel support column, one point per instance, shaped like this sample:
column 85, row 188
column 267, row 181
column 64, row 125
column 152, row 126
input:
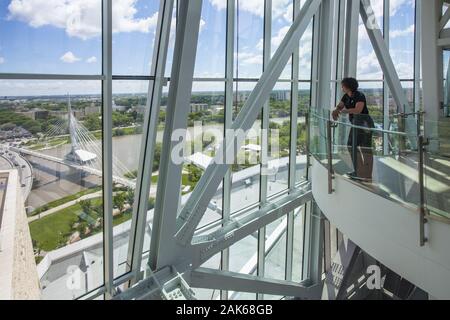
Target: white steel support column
column 227, row 183
column 293, row 149
column 263, row 186
column 194, row 209
column 164, row 250
column 151, row 119
column 313, row 221
column 108, row 249
column 431, row 67
column 340, row 47
column 386, row 120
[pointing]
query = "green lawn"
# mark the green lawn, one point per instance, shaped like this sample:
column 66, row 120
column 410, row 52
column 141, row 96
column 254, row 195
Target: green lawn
column 53, row 232
column 64, row 200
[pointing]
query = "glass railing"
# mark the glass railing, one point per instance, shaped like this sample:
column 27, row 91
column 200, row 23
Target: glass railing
column 397, row 165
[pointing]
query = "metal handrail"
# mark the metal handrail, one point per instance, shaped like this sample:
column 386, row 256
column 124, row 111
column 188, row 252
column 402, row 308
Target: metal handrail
column 422, row 142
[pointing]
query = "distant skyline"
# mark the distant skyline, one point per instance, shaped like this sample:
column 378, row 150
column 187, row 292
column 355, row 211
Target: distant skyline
column 64, row 37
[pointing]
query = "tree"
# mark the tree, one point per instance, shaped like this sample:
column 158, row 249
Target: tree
column 86, row 205
column 119, row 201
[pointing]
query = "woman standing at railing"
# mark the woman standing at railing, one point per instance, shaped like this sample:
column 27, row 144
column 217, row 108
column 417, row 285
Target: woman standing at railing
column 359, row 142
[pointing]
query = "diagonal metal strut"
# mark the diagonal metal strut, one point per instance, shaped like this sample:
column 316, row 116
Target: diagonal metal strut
column 194, row 209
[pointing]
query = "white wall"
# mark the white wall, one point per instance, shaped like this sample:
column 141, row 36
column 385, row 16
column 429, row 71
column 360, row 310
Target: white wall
column 387, row 231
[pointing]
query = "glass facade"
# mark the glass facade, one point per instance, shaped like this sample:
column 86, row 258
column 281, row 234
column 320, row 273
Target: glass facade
column 55, row 97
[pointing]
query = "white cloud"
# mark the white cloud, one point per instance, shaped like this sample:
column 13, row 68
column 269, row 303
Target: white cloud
column 80, row 18
column 69, row 57
column 401, row 33
column 2, row 60
column 91, row 60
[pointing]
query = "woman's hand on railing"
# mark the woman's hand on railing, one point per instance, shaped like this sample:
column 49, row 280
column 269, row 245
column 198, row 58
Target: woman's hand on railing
column 335, row 114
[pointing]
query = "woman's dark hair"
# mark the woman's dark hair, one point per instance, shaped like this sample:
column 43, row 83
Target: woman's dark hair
column 350, row 83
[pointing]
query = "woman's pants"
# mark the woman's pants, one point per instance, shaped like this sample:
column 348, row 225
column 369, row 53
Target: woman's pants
column 360, row 147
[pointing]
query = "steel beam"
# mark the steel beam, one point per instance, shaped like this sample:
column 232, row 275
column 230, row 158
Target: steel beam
column 146, row 158
column 194, row 209
column 387, row 65
column 232, row 281
column 227, row 181
column 163, row 249
column 208, row 246
column 107, row 177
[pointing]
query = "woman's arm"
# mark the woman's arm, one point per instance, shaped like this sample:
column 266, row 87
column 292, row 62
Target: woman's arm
column 357, row 110
column 338, row 110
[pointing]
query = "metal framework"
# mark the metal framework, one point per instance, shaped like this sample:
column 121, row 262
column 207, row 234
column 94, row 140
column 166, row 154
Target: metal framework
column 174, row 243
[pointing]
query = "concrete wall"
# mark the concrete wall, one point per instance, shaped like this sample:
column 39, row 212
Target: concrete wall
column 18, row 276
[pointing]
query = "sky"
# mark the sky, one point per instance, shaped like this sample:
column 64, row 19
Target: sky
column 64, row 37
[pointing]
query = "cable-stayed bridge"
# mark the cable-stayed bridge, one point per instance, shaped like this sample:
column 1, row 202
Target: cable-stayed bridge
column 85, row 153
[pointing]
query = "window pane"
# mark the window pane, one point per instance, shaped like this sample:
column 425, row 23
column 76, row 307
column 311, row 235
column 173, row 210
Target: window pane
column 282, row 18
column 134, row 26
column 368, row 66
column 401, row 37
column 249, row 39
column 45, row 131
column 50, row 37
column 279, row 139
column 129, row 106
column 205, row 134
column 247, row 167
column 304, row 97
column 210, row 60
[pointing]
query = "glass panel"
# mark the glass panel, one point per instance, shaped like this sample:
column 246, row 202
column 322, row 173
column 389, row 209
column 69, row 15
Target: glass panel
column 244, row 259
column 297, row 256
column 43, row 132
column 305, row 58
column 210, row 60
column 129, row 107
column 358, row 154
column 205, row 134
column 304, row 97
column 437, row 167
column 249, row 43
column 57, row 37
column 134, row 26
column 401, row 37
column 275, row 258
column 368, row 66
column 247, row 168
column 282, row 18
column 279, row 138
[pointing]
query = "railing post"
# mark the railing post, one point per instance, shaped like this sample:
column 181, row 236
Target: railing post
column 423, row 211
column 330, row 156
